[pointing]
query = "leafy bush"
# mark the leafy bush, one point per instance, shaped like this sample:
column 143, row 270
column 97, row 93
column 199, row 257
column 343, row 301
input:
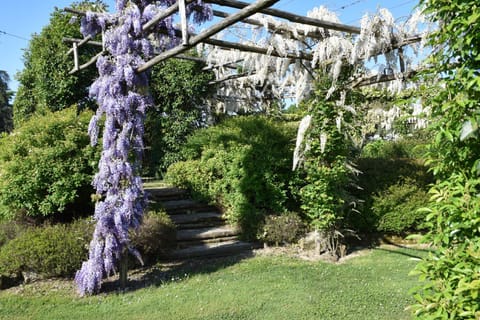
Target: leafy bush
column 50, row 251
column 413, row 147
column 243, row 165
column 178, row 88
column 377, row 176
column 47, row 165
column 155, row 236
column 282, row 229
column 396, row 209
column 9, row 230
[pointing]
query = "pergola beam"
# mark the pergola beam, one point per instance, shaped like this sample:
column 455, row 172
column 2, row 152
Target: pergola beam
column 273, row 27
column 291, row 17
column 225, row 23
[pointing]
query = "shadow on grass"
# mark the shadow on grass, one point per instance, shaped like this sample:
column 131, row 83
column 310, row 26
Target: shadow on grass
column 375, row 241
column 163, row 272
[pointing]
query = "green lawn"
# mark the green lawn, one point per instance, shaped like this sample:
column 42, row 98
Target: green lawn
column 371, row 286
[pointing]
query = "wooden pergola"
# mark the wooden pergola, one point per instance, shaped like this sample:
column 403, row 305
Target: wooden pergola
column 318, row 31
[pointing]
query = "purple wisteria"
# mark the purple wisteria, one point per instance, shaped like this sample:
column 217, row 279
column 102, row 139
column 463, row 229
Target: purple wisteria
column 122, row 97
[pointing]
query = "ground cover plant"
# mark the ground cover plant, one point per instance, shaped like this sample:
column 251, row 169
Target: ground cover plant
column 374, row 285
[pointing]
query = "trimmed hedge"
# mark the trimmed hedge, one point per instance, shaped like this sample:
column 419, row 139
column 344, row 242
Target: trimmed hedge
column 51, row 251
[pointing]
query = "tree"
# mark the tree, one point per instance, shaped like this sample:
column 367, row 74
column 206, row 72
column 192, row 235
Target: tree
column 178, row 89
column 452, row 272
column 45, row 82
column 6, row 124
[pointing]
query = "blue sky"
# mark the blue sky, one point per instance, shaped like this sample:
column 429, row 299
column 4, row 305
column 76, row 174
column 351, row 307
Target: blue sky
column 19, row 19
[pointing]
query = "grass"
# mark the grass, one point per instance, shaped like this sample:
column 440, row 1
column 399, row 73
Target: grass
column 372, row 286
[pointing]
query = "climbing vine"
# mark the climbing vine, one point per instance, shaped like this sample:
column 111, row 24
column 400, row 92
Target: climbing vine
column 451, row 273
column 122, row 97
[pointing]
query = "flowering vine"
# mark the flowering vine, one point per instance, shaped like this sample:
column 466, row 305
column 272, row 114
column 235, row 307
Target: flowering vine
column 122, row 97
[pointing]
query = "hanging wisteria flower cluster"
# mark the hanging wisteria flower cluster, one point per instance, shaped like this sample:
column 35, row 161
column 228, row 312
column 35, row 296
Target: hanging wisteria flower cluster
column 122, row 97
column 288, row 77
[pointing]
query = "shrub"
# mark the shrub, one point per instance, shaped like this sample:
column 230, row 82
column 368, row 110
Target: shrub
column 377, row 176
column 282, row 229
column 178, row 88
column 50, row 251
column 155, row 236
column 243, row 165
column 47, row 165
column 413, row 147
column 9, row 230
column 396, row 209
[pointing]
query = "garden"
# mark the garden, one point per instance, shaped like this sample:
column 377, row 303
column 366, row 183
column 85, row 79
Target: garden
column 360, row 199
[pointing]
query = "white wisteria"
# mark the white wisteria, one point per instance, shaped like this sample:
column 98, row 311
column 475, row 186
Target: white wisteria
column 293, row 51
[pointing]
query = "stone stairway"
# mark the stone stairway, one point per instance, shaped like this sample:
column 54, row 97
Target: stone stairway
column 201, row 230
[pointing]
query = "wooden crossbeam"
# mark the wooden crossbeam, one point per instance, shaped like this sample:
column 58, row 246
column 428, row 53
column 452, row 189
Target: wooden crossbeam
column 234, row 18
column 232, row 77
column 291, row 17
column 277, row 29
column 256, row 49
column 376, row 79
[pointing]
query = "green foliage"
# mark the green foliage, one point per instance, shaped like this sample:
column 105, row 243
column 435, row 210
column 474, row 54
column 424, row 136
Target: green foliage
column 9, row 230
column 324, row 195
column 50, row 251
column 377, row 176
column 452, row 272
column 6, row 115
column 396, row 209
column 155, row 236
column 243, row 165
column 47, row 165
column 45, row 83
column 178, row 88
column 413, row 147
column 282, row 229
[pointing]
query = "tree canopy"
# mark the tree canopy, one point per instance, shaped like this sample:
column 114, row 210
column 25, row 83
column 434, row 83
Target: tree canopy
column 6, row 124
column 45, row 82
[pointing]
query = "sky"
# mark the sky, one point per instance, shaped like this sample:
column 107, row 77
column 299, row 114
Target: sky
column 19, row 19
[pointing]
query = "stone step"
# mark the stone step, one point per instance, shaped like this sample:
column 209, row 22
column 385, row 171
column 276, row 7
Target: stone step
column 198, row 242
column 200, row 225
column 206, row 233
column 212, row 250
column 167, row 193
column 183, row 206
column 181, row 219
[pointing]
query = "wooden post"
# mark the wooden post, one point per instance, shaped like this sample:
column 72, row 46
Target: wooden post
column 75, row 56
column 401, row 60
column 183, row 19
